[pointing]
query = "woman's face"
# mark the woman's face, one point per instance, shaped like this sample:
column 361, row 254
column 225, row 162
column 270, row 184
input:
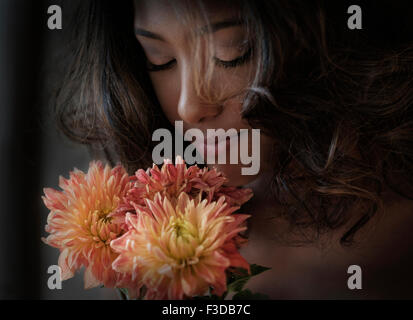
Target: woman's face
column 170, row 58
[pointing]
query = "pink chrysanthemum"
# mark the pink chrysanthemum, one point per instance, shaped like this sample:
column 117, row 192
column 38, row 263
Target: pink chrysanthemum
column 180, row 250
column 80, row 226
column 172, row 179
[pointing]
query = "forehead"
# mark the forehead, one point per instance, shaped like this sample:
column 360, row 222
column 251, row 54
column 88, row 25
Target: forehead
column 165, row 14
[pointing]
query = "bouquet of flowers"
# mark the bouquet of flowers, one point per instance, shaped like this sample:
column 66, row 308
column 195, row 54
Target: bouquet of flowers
column 165, row 233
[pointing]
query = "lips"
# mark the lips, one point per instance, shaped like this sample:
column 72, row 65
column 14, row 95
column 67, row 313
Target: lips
column 220, row 143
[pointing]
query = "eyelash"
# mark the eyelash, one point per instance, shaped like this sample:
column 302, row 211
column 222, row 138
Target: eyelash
column 155, row 67
column 236, row 62
column 225, row 64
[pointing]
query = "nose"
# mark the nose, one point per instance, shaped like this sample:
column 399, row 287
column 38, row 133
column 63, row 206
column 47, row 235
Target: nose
column 191, row 108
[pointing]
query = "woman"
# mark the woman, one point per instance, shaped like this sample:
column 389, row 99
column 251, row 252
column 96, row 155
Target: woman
column 335, row 114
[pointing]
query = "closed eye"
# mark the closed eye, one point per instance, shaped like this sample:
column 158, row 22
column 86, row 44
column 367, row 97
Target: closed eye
column 159, row 67
column 226, row 64
column 235, row 62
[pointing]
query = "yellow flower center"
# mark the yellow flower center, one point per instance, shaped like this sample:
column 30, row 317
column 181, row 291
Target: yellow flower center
column 103, row 215
column 101, row 228
column 183, row 240
column 182, row 229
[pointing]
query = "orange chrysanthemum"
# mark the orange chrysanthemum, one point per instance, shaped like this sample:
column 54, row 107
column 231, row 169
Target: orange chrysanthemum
column 80, row 226
column 172, row 179
column 180, row 250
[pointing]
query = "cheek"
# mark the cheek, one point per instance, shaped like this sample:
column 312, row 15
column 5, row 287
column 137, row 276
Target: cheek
column 233, row 107
column 232, row 81
column 166, row 87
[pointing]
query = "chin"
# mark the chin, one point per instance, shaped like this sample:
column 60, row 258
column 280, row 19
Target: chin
column 233, row 173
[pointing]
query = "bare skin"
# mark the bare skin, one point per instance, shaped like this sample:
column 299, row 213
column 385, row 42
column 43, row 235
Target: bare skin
column 383, row 250
column 174, row 84
column 316, row 271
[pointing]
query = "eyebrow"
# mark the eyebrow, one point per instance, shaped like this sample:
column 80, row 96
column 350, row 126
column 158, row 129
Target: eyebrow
column 214, row 27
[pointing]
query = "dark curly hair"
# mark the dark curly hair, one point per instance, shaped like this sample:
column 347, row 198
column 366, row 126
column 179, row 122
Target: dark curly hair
column 338, row 104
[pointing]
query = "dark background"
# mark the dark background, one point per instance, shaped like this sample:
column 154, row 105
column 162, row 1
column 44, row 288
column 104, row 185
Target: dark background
column 33, row 154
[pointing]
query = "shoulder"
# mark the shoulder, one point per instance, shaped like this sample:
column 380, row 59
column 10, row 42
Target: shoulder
column 383, row 250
